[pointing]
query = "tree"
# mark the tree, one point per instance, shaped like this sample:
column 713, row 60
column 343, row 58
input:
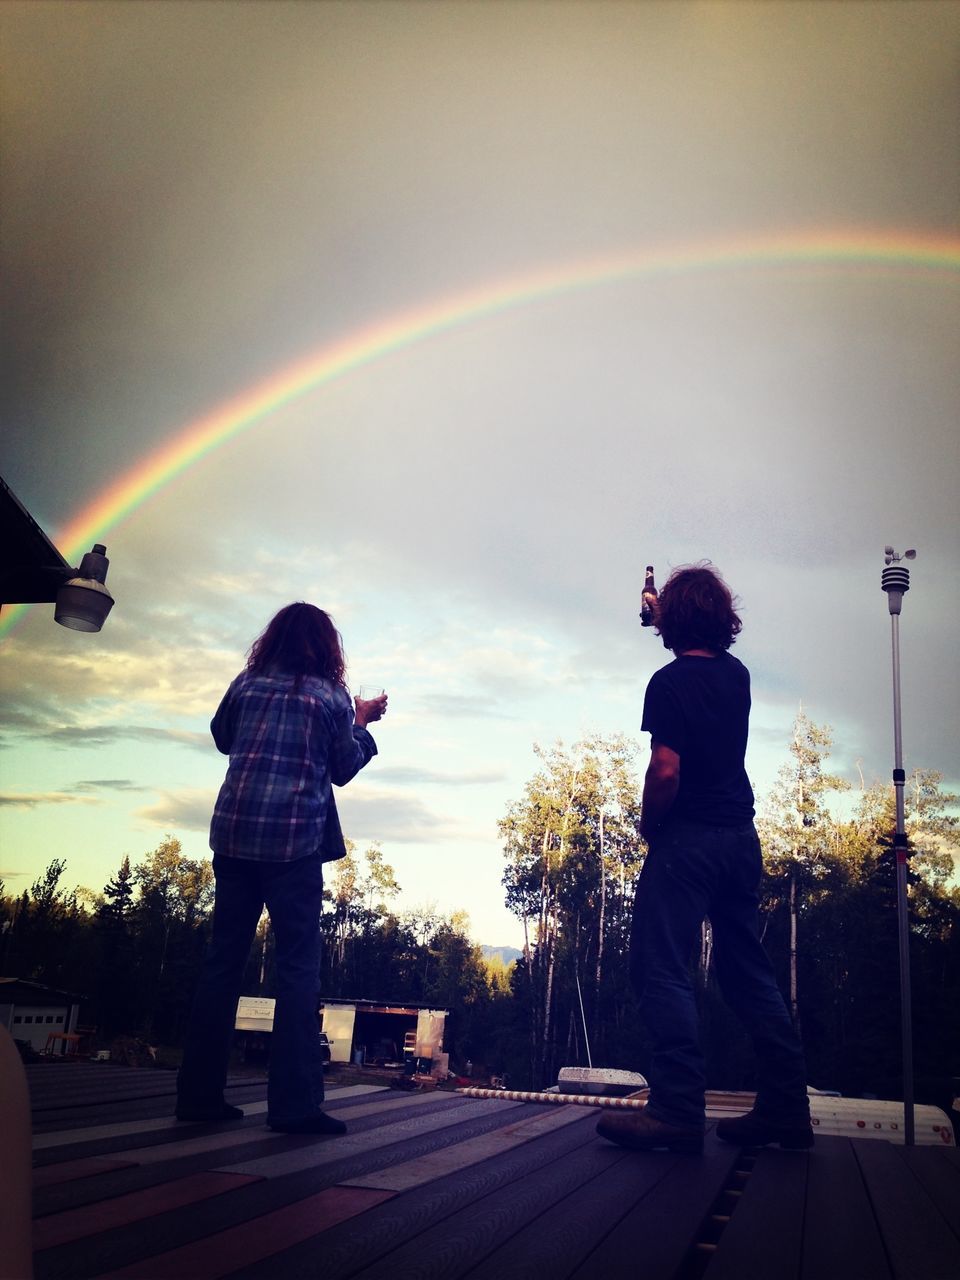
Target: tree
column 118, row 895
column 380, row 883
column 46, row 941
column 572, row 850
column 173, row 908
column 795, row 832
column 458, row 982
column 116, row 998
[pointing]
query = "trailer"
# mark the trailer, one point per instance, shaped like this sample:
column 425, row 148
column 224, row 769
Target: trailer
column 835, row 1116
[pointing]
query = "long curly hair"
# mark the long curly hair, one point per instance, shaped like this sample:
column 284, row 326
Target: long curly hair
column 302, row 641
column 696, row 610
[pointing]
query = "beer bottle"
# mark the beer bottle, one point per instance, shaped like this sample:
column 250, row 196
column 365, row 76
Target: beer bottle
column 647, row 599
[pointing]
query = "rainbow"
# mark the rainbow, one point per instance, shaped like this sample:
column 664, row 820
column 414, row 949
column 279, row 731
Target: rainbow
column 901, row 251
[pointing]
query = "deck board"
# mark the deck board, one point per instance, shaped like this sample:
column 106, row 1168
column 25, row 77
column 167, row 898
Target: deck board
column 652, row 1239
column 179, row 1158
column 75, row 1224
column 347, row 1251
column 449, row 1113
column 916, row 1236
column 454, row 1159
column 563, row 1237
column 940, row 1180
column 836, row 1192
column 436, row 1185
column 464, row 1240
column 52, row 1175
column 256, row 1241
column 325, row 1169
column 764, row 1235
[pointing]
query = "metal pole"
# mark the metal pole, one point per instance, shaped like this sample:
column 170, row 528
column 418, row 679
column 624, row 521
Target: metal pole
column 896, row 581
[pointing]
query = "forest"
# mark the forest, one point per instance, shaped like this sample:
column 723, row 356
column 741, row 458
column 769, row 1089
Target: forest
column 572, row 855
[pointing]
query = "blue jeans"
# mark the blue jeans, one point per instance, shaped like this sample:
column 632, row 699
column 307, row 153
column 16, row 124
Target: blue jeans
column 693, row 871
column 293, row 895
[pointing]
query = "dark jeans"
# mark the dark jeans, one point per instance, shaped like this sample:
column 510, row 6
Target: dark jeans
column 293, row 894
column 693, row 871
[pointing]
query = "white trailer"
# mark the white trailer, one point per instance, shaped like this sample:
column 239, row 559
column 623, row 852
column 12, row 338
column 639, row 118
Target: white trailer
column 834, row 1116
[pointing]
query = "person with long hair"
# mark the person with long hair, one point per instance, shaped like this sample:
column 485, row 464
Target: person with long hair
column 703, row 859
column 291, row 731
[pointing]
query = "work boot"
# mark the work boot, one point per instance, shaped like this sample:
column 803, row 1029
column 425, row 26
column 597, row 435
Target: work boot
column 754, row 1130
column 642, row 1132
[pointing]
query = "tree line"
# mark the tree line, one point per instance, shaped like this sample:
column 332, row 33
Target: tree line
column 828, row 917
column 133, row 950
column 572, row 857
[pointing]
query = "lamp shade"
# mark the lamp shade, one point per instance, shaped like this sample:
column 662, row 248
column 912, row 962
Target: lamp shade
column 82, row 604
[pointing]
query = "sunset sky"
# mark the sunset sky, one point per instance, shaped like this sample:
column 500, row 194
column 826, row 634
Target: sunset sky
column 450, row 317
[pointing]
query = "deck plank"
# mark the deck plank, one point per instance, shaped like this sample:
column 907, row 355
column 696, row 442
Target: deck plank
column 918, row 1240
column 465, row 1239
column 652, row 1238
column 52, row 1175
column 763, row 1237
column 940, row 1179
column 449, row 1160
column 357, row 1246
column 563, row 1240
column 124, row 1245
column 448, row 1187
column 217, row 1255
column 837, row 1195
column 167, row 1122
column 180, row 1154
column 452, row 1113
column 75, row 1224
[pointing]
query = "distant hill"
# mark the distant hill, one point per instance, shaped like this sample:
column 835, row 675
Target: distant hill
column 506, row 954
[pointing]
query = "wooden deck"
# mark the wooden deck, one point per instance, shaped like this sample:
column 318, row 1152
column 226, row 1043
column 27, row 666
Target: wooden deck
column 442, row 1186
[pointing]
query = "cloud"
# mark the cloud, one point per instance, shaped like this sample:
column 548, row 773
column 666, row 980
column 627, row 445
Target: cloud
column 187, row 809
column 388, row 816
column 107, row 784
column 408, row 774
column 33, row 799
column 101, row 735
column 47, row 677
column 367, row 814
column 465, row 706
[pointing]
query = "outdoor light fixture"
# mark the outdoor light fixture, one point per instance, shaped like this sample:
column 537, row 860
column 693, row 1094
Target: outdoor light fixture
column 84, row 602
column 895, row 581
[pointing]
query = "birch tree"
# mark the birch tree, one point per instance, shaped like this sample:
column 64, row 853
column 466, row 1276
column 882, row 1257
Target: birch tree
column 572, row 853
column 795, row 831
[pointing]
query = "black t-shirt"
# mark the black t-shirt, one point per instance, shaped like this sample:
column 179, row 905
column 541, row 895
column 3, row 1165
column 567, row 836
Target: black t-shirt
column 700, row 708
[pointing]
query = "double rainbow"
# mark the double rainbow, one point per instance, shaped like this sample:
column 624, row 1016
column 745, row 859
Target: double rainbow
column 931, row 256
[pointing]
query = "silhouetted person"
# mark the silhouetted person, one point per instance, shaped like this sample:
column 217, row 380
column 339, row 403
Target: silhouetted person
column 703, row 860
column 290, row 730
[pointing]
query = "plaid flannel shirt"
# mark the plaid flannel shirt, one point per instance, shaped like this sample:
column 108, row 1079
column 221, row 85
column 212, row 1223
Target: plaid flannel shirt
column 286, row 746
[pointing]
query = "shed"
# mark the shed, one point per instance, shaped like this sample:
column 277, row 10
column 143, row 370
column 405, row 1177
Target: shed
column 373, row 1031
column 33, row 1012
column 362, row 1030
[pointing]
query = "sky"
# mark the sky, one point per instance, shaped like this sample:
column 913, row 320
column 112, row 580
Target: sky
column 459, row 315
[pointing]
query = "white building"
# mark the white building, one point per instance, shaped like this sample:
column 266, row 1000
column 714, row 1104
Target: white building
column 34, row 1013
